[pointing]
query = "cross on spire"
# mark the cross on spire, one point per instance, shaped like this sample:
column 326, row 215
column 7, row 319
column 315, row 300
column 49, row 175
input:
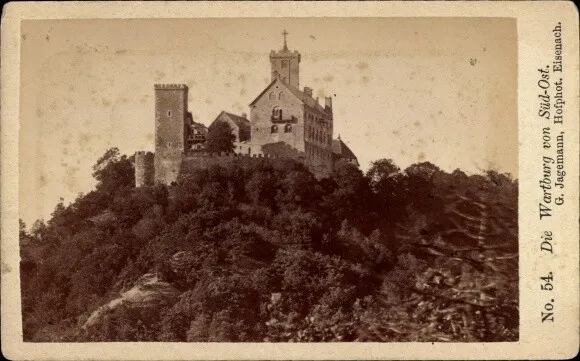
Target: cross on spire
column 285, row 33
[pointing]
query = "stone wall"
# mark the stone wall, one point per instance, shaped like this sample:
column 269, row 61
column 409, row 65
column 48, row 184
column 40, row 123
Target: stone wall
column 195, row 161
column 167, row 166
column 261, row 119
column 144, row 169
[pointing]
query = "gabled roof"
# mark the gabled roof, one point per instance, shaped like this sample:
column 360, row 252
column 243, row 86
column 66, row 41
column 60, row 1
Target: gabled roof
column 306, row 99
column 193, row 123
column 342, row 150
column 241, row 122
column 196, row 124
column 263, row 92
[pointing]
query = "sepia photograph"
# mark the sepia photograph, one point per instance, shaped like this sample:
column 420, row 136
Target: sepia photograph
column 269, row 180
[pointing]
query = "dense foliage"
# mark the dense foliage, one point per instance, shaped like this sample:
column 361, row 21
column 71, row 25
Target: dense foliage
column 220, row 138
column 270, row 253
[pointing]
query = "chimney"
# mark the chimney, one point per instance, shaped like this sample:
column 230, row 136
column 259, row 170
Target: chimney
column 308, row 91
column 245, row 115
column 328, row 103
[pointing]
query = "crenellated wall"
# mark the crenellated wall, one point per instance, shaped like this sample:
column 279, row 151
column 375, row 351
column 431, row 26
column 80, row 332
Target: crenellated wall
column 200, row 160
column 146, row 163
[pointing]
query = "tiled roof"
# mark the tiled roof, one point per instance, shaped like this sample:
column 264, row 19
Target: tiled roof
column 196, row 124
column 306, row 99
column 240, row 121
column 341, row 149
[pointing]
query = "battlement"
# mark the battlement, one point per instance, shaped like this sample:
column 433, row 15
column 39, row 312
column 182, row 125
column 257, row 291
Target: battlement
column 142, row 153
column 194, row 161
column 170, row 86
column 224, row 155
column 284, row 54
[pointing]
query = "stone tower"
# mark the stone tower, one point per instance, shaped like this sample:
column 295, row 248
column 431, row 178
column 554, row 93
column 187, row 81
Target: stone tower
column 170, row 130
column 286, row 65
column 144, row 169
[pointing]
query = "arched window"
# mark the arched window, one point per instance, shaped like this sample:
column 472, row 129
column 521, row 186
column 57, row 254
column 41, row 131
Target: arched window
column 281, row 96
column 272, row 96
column 288, row 128
column 277, row 113
column 274, row 129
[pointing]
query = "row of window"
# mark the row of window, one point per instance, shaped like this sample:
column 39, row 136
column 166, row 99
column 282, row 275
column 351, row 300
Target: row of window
column 197, row 137
column 317, row 135
column 310, row 116
column 272, row 96
column 287, row 128
column 318, row 154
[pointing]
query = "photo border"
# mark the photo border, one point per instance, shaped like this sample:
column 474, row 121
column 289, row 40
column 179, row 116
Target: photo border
column 535, row 19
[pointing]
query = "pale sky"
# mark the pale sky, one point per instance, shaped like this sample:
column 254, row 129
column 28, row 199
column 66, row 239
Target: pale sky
column 442, row 90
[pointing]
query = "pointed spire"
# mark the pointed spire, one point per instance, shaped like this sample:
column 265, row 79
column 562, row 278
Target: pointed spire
column 284, row 33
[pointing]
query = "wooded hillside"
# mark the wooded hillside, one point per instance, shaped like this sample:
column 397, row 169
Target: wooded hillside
column 270, row 253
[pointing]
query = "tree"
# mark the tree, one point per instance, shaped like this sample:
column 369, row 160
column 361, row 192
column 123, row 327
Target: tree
column 22, row 229
column 270, row 253
column 383, row 171
column 113, row 171
column 388, row 184
column 38, row 230
column 351, row 199
column 220, row 138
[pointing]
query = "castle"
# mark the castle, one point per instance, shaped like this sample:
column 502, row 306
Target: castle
column 285, row 122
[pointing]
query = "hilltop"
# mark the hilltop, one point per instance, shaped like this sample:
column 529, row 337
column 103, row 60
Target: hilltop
column 271, row 253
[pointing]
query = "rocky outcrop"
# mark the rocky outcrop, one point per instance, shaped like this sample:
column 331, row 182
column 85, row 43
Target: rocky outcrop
column 148, row 292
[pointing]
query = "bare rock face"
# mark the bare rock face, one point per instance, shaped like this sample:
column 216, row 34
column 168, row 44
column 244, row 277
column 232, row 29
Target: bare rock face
column 148, row 292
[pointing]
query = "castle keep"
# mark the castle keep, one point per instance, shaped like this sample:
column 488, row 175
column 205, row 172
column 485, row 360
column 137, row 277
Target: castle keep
column 285, row 122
